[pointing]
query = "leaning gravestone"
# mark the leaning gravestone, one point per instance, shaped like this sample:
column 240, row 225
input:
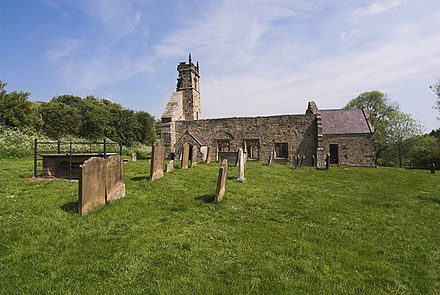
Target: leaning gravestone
column 210, row 157
column 185, row 156
column 114, row 178
column 170, row 166
column 433, row 168
column 194, row 156
column 157, row 158
column 221, row 181
column 241, row 177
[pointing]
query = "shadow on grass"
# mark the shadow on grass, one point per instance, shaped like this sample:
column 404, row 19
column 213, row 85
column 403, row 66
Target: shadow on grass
column 138, row 178
column 206, row 198
column 71, row 207
column 430, row 199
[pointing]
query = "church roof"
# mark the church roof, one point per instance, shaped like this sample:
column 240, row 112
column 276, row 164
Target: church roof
column 345, row 122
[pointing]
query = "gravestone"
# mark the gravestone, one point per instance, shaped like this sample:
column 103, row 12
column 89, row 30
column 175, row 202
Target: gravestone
column 241, row 163
column 114, row 178
column 433, row 168
column 313, row 160
column 302, row 160
column 91, row 185
column 211, row 155
column 221, row 181
column 185, row 156
column 170, row 166
column 157, row 158
column 327, row 161
column 101, row 180
column 194, row 156
column 271, row 157
column 133, row 157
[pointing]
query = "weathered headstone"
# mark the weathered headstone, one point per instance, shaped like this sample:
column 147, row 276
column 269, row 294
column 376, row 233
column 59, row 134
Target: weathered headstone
column 241, row 160
column 170, row 166
column 302, row 160
column 194, row 156
column 114, row 180
column 327, row 161
column 210, row 157
column 133, row 157
column 157, row 158
column 91, row 185
column 221, row 181
column 313, row 160
column 271, row 157
column 433, row 168
column 185, row 156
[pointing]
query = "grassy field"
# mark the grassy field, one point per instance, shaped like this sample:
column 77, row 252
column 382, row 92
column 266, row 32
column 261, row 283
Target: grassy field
column 286, row 230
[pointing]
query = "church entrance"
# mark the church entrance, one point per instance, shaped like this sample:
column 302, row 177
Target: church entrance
column 334, row 154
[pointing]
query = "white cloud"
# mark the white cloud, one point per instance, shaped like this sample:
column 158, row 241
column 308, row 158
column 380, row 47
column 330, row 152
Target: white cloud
column 377, row 8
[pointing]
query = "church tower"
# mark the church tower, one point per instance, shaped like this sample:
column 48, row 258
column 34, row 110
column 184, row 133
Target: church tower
column 188, row 84
column 183, row 104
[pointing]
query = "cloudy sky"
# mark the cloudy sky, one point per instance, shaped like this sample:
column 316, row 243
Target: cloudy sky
column 256, row 57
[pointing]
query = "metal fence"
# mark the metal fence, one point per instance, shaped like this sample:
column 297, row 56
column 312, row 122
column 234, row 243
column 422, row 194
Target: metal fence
column 71, row 149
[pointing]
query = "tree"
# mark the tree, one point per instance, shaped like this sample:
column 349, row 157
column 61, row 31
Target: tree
column 17, row 111
column 401, row 128
column 380, row 110
column 60, row 119
column 146, row 131
column 96, row 118
column 436, row 89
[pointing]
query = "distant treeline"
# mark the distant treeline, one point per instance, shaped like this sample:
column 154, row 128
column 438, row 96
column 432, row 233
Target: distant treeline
column 72, row 116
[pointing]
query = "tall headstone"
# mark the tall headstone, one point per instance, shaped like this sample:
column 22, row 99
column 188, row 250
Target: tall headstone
column 327, row 161
column 157, row 158
column 194, row 156
column 210, row 157
column 133, row 157
column 313, row 161
column 170, row 166
column 221, row 181
column 91, row 185
column 432, row 168
column 185, row 156
column 241, row 163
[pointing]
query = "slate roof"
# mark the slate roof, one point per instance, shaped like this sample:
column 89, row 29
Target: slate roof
column 344, row 122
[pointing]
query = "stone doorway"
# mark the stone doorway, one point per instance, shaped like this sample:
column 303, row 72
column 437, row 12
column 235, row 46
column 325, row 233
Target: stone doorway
column 334, row 154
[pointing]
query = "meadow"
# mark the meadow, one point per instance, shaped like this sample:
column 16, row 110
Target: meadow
column 284, row 231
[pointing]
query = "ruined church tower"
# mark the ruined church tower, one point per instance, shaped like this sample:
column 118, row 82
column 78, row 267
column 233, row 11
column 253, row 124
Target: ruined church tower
column 188, row 83
column 183, row 104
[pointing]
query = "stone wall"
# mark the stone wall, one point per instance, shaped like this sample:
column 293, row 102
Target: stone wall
column 298, row 131
column 353, row 149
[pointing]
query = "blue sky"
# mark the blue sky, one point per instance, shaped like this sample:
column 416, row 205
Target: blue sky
column 256, row 57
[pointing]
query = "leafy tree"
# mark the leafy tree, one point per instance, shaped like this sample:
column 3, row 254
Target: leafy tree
column 17, row 111
column 424, row 150
column 436, row 89
column 380, row 110
column 60, row 119
column 401, row 128
column 96, row 118
column 147, row 125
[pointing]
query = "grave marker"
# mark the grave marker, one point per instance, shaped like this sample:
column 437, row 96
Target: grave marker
column 185, row 156
column 170, row 166
column 157, row 158
column 221, row 181
column 194, row 156
column 241, row 160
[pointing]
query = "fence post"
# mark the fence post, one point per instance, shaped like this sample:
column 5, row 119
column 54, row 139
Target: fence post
column 35, row 156
column 59, row 147
column 105, row 147
column 120, row 149
column 70, row 160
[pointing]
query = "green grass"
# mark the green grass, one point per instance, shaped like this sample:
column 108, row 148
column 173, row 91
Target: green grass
column 286, row 230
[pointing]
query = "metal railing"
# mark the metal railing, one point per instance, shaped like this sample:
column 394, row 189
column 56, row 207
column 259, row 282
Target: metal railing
column 71, row 148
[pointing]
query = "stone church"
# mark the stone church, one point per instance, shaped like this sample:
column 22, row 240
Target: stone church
column 345, row 135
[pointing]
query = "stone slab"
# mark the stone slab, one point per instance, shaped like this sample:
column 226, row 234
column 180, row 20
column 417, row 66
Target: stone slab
column 92, row 185
column 185, row 156
column 194, row 156
column 221, row 181
column 157, row 160
column 114, row 181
